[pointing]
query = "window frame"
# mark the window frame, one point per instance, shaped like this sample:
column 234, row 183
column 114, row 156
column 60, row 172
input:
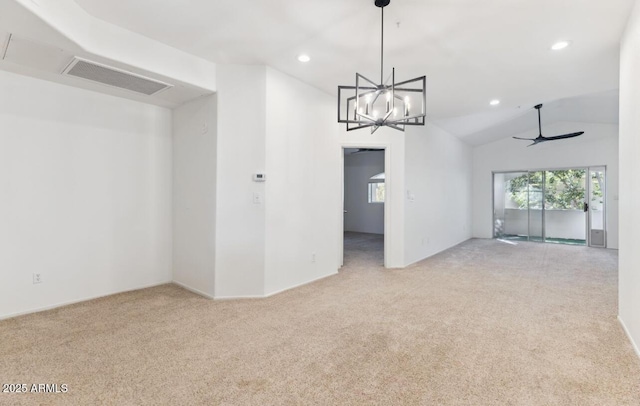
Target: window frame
column 372, row 186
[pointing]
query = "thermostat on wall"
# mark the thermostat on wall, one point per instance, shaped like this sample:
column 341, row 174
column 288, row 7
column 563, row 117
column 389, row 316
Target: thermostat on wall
column 259, row 177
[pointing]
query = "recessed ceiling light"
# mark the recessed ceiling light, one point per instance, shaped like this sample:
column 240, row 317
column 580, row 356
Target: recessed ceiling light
column 304, row 58
column 560, row 45
column 494, row 102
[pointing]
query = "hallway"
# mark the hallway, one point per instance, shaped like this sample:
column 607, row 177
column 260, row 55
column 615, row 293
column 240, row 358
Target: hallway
column 363, row 250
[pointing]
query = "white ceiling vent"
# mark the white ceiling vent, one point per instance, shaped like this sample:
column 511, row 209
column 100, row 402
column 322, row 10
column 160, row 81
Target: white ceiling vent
column 110, row 76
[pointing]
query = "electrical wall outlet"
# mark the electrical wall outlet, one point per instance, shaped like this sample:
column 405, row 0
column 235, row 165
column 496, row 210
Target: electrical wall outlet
column 313, row 257
column 37, row 278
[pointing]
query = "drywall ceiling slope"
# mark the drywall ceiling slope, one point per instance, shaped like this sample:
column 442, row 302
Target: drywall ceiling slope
column 46, row 35
column 16, row 18
column 471, row 51
column 601, row 108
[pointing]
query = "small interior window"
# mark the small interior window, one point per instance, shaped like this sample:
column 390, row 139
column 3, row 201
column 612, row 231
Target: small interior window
column 376, row 188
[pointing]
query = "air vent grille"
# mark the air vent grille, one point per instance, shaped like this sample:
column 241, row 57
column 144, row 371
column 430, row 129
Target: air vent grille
column 114, row 77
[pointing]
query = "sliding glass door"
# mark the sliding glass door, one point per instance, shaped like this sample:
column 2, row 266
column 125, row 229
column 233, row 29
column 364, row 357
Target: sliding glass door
column 564, row 198
column 595, row 207
column 536, row 206
column 511, row 202
column 556, row 205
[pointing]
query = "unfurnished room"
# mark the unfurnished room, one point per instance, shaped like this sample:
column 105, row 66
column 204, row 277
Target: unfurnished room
column 367, row 202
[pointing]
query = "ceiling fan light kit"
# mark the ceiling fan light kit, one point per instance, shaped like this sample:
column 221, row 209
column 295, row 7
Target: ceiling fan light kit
column 390, row 104
column 540, row 138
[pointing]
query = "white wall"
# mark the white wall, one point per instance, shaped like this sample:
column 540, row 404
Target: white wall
column 85, row 183
column 240, row 223
column 273, row 235
column 362, row 216
column 302, row 167
column 194, row 194
column 428, row 190
column 598, row 146
column 438, row 192
column 629, row 265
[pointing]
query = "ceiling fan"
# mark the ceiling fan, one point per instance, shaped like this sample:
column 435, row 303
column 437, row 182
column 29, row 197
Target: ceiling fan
column 540, row 138
column 366, row 150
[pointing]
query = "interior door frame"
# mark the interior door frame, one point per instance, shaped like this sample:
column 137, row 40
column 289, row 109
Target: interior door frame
column 388, row 186
column 587, row 222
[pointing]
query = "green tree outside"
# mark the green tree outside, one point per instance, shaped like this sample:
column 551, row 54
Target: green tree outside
column 563, row 189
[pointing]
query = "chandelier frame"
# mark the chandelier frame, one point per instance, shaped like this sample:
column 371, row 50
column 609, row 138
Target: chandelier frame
column 357, row 115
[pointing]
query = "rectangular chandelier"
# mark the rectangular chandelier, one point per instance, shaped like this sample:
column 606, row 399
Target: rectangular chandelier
column 394, row 105
column 391, row 104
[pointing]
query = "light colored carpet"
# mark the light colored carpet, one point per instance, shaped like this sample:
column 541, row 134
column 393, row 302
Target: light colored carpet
column 484, row 323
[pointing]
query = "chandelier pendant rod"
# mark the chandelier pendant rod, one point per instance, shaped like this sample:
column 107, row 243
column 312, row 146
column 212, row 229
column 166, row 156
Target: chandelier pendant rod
column 382, row 47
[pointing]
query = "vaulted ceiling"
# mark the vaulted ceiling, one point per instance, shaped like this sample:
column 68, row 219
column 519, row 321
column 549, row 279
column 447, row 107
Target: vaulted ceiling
column 471, row 51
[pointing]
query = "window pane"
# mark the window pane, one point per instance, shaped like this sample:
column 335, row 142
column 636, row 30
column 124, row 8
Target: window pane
column 376, row 192
column 564, row 189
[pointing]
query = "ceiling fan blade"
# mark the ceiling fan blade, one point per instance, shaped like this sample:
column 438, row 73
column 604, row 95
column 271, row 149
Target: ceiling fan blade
column 563, row 136
column 360, row 150
column 537, row 141
column 541, row 138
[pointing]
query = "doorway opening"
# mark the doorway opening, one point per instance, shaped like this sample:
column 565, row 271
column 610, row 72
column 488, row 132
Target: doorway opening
column 565, row 206
column 365, row 187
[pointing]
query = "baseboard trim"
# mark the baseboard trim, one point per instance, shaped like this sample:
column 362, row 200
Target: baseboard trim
column 86, row 299
column 238, row 297
column 300, row 284
column 274, row 293
column 193, row 290
column 435, row 253
column 626, row 331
